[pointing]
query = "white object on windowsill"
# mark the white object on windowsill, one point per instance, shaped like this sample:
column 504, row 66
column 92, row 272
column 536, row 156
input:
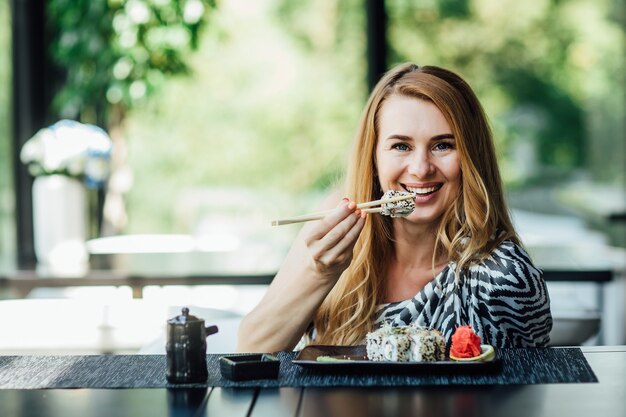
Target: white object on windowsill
column 59, row 226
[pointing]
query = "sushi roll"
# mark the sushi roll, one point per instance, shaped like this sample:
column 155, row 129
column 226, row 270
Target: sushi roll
column 374, row 343
column 397, row 208
column 397, row 344
column 405, row 344
column 427, row 346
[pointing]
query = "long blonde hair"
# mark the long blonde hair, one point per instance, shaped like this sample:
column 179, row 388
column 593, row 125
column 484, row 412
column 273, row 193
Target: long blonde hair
column 476, row 223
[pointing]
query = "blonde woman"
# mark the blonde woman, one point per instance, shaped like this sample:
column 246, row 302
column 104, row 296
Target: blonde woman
column 456, row 260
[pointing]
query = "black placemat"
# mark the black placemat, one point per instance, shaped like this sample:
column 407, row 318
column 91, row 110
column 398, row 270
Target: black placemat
column 519, row 366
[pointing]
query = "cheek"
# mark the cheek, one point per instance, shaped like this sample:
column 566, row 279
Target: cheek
column 452, row 170
column 456, row 174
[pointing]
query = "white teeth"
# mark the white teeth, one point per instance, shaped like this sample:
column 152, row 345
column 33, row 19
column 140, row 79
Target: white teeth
column 422, row 190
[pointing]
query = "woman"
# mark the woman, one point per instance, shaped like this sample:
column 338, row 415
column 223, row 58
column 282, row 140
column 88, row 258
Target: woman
column 456, row 260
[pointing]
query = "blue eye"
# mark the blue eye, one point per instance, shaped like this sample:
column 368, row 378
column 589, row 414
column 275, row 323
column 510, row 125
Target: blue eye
column 400, row 146
column 443, row 146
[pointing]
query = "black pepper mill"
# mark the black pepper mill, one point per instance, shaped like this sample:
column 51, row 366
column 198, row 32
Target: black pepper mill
column 186, row 349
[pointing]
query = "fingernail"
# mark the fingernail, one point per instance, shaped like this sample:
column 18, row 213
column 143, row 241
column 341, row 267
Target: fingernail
column 352, row 205
column 357, row 212
column 345, row 199
column 363, row 214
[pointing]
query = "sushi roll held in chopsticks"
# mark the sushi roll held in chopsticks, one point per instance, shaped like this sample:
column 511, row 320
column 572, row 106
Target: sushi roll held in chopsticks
column 393, row 203
column 400, row 208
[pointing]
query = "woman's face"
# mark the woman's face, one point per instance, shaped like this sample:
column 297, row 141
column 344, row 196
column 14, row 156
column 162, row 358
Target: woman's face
column 417, row 152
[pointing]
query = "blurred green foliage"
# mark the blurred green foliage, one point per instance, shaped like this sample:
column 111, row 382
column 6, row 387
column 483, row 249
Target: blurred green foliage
column 116, row 52
column 539, row 67
column 262, row 109
column 536, row 66
column 271, row 98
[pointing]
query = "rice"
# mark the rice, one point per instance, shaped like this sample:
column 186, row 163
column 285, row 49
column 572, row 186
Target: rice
column 405, row 344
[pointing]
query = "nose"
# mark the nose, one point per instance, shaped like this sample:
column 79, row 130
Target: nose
column 421, row 165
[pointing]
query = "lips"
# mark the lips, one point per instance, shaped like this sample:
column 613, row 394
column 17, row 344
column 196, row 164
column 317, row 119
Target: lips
column 424, row 190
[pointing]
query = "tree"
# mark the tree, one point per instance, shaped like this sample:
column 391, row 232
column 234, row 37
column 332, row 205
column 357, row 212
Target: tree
column 537, row 67
column 114, row 54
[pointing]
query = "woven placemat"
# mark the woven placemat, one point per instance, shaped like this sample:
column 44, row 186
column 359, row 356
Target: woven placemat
column 519, row 367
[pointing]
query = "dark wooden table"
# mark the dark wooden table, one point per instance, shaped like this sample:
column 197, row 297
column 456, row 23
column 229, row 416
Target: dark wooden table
column 605, row 398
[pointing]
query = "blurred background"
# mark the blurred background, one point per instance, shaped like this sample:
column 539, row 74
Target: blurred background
column 226, row 114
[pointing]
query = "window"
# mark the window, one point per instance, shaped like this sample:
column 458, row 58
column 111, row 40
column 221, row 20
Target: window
column 276, row 121
column 7, row 234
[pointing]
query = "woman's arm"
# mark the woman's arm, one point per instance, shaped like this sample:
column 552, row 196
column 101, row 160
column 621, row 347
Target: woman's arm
column 318, row 257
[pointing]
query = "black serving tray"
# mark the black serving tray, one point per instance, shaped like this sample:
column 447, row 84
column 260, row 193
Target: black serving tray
column 247, row 367
column 353, row 359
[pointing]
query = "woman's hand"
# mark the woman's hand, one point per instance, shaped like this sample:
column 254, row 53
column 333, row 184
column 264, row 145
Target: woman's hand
column 318, row 257
column 331, row 240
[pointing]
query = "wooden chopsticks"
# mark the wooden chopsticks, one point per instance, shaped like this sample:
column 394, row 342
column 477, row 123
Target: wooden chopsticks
column 368, row 207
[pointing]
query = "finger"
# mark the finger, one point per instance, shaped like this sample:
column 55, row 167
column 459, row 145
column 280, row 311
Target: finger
column 335, row 235
column 324, row 226
column 344, row 247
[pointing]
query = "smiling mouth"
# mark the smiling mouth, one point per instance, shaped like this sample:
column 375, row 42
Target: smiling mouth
column 424, row 191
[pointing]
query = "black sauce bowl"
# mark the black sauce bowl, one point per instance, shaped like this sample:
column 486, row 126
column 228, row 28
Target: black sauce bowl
column 247, row 367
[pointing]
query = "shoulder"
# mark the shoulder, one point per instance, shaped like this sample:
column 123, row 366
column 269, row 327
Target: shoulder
column 506, row 281
column 507, row 259
column 507, row 271
column 509, row 297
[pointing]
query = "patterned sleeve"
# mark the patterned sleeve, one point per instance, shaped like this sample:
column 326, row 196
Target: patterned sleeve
column 307, row 338
column 506, row 299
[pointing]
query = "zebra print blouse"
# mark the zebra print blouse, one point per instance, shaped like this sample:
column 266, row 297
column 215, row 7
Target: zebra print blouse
column 504, row 299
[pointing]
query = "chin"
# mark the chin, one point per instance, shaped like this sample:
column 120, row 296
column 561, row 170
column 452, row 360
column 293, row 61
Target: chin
column 423, row 220
column 426, row 217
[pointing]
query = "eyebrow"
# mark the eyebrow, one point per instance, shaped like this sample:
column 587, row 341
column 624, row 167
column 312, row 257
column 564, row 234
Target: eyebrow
column 408, row 138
